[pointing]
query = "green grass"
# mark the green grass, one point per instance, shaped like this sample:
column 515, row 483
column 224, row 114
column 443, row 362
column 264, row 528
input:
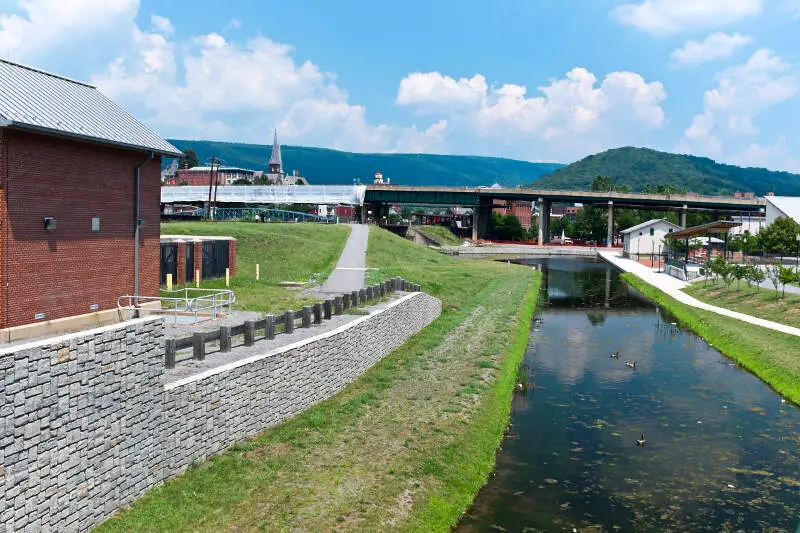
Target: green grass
column 761, row 303
column 285, row 252
column 440, row 234
column 770, row 355
column 404, row 448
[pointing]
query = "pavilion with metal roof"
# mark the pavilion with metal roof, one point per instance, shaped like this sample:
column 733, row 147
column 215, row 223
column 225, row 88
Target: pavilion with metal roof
column 678, row 262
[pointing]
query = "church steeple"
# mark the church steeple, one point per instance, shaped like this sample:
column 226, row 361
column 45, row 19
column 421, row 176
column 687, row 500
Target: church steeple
column 275, row 164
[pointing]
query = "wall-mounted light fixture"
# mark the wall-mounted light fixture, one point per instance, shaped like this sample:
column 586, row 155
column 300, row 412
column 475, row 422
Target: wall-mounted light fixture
column 49, row 223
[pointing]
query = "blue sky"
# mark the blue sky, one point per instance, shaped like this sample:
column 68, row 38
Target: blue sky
column 540, row 80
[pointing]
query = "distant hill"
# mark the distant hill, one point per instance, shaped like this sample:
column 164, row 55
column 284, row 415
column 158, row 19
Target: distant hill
column 637, row 167
column 322, row 166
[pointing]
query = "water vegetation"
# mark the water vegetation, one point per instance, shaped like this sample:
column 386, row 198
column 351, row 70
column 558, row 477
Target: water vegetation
column 770, row 355
column 404, row 447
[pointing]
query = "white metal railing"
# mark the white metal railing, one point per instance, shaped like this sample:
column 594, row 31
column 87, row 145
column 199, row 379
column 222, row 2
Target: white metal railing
column 202, row 304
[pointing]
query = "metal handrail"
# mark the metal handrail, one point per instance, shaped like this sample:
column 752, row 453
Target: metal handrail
column 215, row 301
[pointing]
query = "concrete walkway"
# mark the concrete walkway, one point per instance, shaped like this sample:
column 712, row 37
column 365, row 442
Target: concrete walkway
column 349, row 273
column 672, row 287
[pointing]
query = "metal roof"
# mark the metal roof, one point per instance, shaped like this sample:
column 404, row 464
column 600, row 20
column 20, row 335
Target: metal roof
column 650, row 223
column 34, row 100
column 788, row 205
column 716, row 228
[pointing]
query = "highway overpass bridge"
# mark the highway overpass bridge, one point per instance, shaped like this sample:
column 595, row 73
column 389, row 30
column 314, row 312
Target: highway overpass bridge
column 479, row 198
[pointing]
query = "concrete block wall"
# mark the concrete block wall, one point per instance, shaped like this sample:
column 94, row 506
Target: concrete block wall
column 212, row 411
column 81, row 426
column 92, row 421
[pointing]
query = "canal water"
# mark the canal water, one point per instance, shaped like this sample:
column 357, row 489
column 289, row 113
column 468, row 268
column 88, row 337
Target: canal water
column 722, row 450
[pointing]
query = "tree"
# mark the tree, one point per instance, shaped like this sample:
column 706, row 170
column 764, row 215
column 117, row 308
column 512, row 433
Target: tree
column 241, row 181
column 757, row 276
column 779, row 237
column 591, row 224
column 506, row 228
column 740, row 273
column 601, row 184
column 786, row 275
column 189, row 159
column 774, row 275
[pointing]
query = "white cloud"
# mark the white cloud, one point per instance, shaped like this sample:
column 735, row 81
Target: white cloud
column 742, row 93
column 573, row 114
column 434, row 89
column 161, row 25
column 233, row 24
column 778, row 156
column 44, row 26
column 715, row 47
column 661, row 17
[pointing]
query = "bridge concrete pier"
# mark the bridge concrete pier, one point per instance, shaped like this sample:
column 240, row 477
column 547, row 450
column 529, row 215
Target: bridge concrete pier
column 610, row 226
column 481, row 215
column 683, row 215
column 545, row 208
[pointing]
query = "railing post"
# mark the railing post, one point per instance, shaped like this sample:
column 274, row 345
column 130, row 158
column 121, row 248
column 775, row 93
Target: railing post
column 337, row 305
column 362, row 296
column 269, row 327
column 345, row 302
column 402, row 285
column 397, row 284
column 354, row 298
column 199, row 346
column 288, row 322
column 369, row 294
column 317, row 313
column 306, row 317
column 249, row 332
column 170, row 349
column 225, row 339
column 328, row 306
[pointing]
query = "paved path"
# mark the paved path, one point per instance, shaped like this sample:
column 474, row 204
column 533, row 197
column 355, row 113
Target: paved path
column 672, row 287
column 349, row 273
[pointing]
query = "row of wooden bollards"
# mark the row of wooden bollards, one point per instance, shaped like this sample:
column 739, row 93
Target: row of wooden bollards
column 267, row 328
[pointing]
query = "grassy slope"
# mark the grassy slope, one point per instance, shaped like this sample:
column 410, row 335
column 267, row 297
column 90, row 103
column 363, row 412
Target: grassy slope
column 770, row 355
column 322, row 166
column 761, row 303
column 440, row 234
column 639, row 166
column 405, row 447
column 285, row 252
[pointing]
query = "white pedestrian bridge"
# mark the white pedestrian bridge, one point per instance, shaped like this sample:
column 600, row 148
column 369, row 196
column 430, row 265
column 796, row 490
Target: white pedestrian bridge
column 268, row 194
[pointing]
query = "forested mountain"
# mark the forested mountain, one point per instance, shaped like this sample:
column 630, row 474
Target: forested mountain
column 640, row 167
column 322, row 166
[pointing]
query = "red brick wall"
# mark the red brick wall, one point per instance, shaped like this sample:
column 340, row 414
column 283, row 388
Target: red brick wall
column 3, row 226
column 61, row 273
column 232, row 257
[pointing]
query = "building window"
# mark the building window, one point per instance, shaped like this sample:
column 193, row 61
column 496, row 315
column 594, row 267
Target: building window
column 95, row 224
column 652, row 231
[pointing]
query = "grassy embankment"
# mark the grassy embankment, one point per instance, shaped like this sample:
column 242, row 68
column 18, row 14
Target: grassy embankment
column 405, row 447
column 440, row 234
column 285, row 252
column 770, row 355
column 761, row 303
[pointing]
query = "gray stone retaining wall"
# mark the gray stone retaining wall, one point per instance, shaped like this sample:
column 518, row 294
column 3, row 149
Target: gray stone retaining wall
column 90, row 423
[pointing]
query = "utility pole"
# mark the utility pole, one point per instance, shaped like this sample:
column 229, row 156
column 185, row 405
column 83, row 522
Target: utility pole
column 216, row 186
column 210, row 187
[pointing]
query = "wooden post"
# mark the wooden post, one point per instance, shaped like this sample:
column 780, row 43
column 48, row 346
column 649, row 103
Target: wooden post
column 227, row 278
column 345, row 302
column 257, row 271
column 170, row 350
column 225, row 339
column 362, row 296
column 249, row 332
column 269, row 327
column 327, row 307
column 199, row 346
column 306, row 317
column 197, row 278
column 288, row 322
column 317, row 313
column 369, row 294
column 354, row 298
column 169, row 282
column 337, row 305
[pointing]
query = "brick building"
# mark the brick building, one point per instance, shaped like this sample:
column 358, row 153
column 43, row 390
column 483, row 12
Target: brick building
column 202, row 176
column 519, row 208
column 74, row 169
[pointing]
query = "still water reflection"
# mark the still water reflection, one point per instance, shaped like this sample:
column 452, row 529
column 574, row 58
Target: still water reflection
column 722, row 448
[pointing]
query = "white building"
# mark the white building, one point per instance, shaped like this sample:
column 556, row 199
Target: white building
column 750, row 224
column 646, row 238
column 782, row 206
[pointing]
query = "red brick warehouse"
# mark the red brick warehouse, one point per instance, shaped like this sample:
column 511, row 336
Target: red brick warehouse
column 74, row 169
